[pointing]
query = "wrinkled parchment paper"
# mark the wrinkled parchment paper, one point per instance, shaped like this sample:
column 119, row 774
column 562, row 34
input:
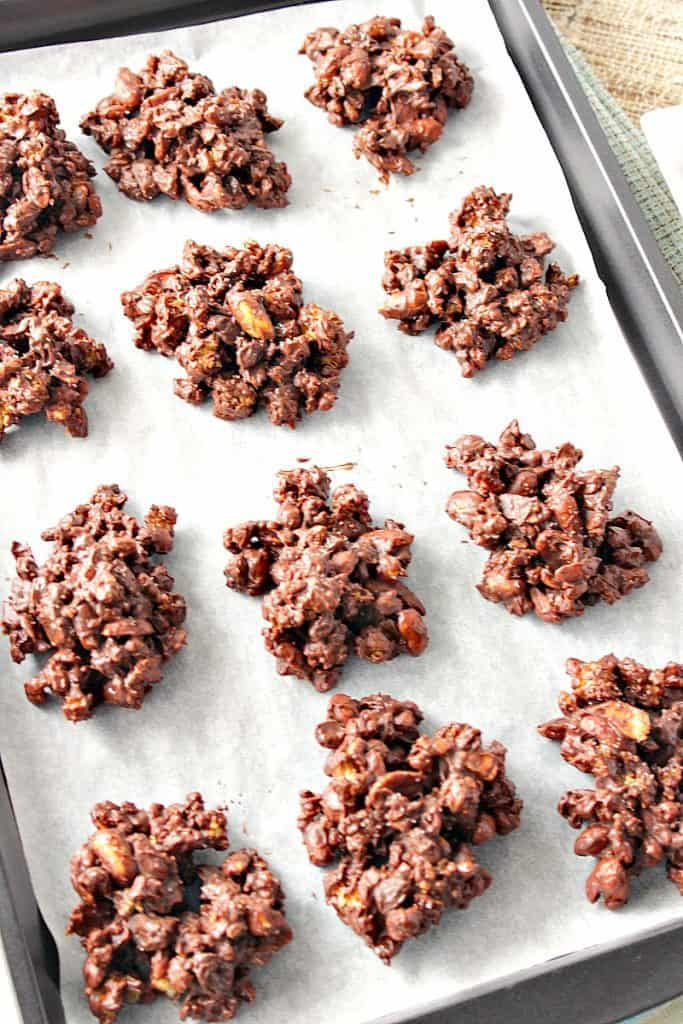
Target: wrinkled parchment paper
column 223, row 721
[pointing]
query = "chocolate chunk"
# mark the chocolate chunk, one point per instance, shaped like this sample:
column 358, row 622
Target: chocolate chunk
column 44, row 179
column 623, row 724
column 99, row 604
column 167, row 131
column 553, row 548
column 399, row 817
column 45, row 358
column 398, row 85
column 153, row 921
column 332, row 580
column 235, row 321
column 487, row 288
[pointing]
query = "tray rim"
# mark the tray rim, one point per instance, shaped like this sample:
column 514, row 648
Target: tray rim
column 662, row 371
column 433, row 1012
column 21, row 927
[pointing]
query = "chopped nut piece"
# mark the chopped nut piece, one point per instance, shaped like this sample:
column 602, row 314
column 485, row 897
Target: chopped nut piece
column 102, row 607
column 234, row 320
column 45, row 358
column 412, row 628
column 136, row 925
column 45, row 183
column 554, row 551
column 332, row 583
column 250, row 314
column 623, row 723
column 486, row 287
column 633, row 723
column 167, row 131
column 399, row 85
column 399, row 833
column 409, row 784
column 115, row 855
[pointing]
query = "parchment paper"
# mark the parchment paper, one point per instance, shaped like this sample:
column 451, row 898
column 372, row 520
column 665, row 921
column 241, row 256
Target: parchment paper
column 223, row 721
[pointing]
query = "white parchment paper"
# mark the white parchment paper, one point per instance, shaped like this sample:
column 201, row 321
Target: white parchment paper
column 223, row 721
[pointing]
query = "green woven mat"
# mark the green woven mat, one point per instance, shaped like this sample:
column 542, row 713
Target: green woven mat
column 638, row 164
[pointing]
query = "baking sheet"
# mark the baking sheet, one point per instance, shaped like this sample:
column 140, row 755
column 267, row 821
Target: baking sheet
column 223, row 721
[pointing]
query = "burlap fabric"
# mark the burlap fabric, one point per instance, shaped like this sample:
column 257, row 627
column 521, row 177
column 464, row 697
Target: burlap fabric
column 634, row 46
column 617, row 24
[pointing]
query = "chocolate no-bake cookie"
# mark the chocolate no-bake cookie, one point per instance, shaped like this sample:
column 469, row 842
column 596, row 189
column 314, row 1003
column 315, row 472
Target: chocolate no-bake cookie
column 235, row 321
column 44, row 357
column 399, row 817
column 45, row 182
column 488, row 289
column 99, row 604
column 623, row 724
column 332, row 580
column 554, row 549
column 168, row 131
column 397, row 84
column 153, row 921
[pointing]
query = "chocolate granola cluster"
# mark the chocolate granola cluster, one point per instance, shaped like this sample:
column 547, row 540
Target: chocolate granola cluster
column 553, row 548
column 168, row 131
column 44, row 357
column 487, row 288
column 623, row 723
column 154, row 921
column 397, row 84
column 99, row 604
column 332, row 580
column 399, row 817
column 235, row 321
column 44, row 179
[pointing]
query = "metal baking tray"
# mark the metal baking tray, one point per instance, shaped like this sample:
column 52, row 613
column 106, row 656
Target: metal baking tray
column 606, row 983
